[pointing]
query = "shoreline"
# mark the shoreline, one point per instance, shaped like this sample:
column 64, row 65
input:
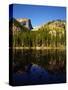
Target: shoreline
column 38, row 48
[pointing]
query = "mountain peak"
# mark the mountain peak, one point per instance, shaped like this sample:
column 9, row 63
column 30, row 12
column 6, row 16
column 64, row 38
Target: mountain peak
column 25, row 22
column 22, row 19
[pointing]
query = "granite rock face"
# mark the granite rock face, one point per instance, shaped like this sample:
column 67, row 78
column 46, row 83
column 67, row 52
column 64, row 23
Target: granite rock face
column 25, row 22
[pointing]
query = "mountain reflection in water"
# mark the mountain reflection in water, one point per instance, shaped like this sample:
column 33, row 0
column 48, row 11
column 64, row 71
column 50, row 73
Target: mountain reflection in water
column 39, row 67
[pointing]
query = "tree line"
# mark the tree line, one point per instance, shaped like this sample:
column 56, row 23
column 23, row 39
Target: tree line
column 44, row 37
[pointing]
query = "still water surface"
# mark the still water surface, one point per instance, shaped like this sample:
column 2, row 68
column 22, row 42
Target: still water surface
column 39, row 66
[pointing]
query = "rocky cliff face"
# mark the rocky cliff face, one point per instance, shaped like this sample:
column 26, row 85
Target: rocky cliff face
column 15, row 26
column 25, row 22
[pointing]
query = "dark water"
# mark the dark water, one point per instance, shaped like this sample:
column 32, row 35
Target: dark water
column 39, row 67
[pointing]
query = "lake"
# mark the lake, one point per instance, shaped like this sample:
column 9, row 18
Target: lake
column 32, row 67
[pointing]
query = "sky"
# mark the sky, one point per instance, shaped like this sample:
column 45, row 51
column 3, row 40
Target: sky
column 39, row 14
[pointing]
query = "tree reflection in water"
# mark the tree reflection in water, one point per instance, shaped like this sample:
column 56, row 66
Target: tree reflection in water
column 51, row 61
